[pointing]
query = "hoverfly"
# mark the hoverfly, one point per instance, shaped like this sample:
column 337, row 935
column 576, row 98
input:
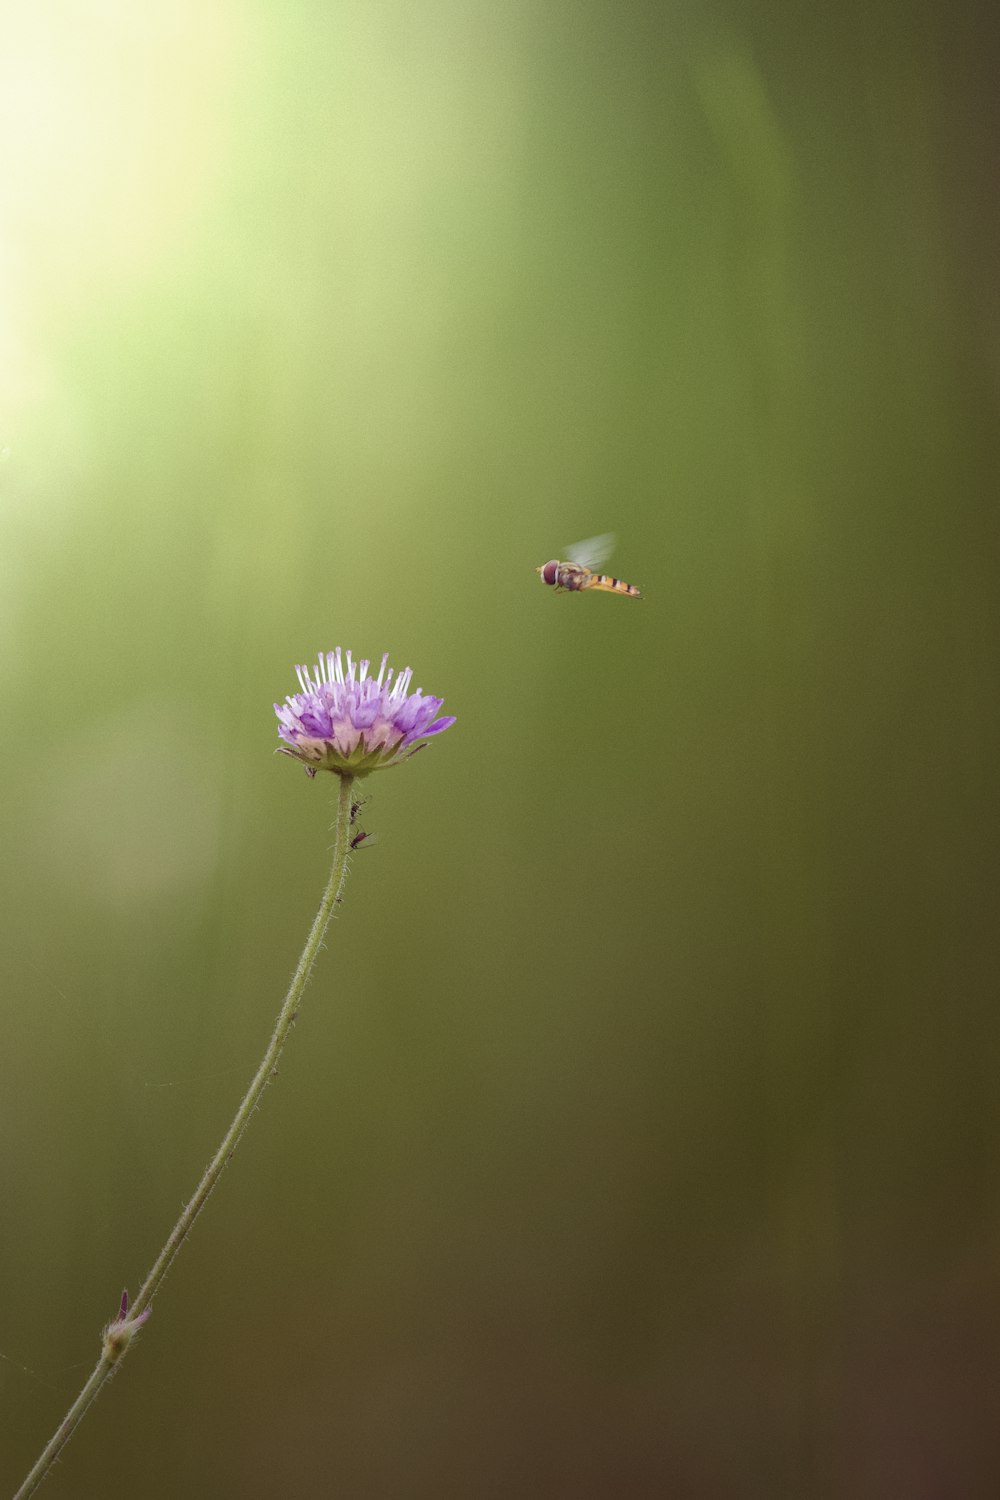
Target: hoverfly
column 579, row 572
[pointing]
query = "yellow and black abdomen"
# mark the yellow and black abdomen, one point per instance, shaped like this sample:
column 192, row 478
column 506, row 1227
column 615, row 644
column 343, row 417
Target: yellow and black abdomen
column 613, row 585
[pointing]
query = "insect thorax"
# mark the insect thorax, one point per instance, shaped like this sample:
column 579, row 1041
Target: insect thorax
column 570, row 576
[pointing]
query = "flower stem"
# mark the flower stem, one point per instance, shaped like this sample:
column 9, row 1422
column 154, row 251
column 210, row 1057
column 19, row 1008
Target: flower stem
column 118, row 1335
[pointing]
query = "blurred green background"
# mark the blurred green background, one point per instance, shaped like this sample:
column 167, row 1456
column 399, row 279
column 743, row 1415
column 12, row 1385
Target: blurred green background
column 639, row 1133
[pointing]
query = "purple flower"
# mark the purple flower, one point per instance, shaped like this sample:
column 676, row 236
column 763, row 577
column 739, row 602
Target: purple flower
column 345, row 721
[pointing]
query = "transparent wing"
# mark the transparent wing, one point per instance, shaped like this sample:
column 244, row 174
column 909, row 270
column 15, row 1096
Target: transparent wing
column 593, row 552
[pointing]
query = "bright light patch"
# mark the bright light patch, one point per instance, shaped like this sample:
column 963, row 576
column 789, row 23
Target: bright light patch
column 113, row 119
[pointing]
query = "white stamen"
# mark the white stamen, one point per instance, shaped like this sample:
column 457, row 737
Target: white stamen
column 382, row 668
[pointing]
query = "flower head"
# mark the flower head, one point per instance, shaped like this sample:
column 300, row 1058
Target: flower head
column 345, row 721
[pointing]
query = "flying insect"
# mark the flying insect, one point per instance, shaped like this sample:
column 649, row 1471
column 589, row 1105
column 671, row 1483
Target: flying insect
column 580, row 571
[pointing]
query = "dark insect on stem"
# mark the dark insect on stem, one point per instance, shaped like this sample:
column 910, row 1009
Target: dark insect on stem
column 362, row 837
column 356, row 807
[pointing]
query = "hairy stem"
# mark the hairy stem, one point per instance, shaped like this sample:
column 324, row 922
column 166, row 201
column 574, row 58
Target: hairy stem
column 118, row 1335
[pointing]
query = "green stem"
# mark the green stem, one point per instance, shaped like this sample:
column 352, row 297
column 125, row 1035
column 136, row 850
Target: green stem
column 118, row 1335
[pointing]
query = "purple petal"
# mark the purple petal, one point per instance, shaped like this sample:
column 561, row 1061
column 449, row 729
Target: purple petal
column 439, row 724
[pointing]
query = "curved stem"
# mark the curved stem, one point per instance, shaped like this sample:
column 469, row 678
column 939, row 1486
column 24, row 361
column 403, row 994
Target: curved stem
column 118, row 1335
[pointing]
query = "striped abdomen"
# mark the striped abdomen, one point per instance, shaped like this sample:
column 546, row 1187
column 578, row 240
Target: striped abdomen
column 611, row 585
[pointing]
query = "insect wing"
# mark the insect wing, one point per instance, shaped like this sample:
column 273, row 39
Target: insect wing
column 593, row 552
